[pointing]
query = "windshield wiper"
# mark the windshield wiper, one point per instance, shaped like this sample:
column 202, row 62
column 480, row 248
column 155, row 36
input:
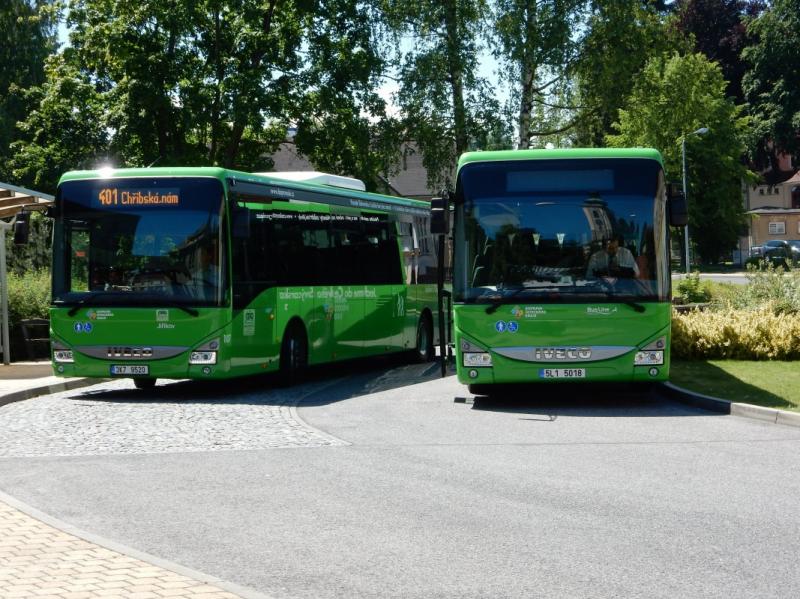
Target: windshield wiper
column 502, row 300
column 89, row 300
column 86, row 301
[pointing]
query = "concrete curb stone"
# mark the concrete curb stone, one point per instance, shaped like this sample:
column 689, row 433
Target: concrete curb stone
column 66, row 385
column 732, row 408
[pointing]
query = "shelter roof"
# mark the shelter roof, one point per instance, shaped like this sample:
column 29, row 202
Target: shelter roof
column 14, row 198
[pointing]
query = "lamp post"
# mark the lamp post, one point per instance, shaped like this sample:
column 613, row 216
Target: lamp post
column 700, row 131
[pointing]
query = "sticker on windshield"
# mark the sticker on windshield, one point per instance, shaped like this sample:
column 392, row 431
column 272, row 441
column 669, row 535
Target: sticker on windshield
column 249, row 323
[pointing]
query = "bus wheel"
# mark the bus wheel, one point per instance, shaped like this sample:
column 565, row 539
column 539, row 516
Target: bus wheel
column 144, row 383
column 294, row 354
column 424, row 351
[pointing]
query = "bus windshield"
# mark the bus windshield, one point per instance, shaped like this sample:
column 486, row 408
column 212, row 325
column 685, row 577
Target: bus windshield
column 139, row 242
column 564, row 231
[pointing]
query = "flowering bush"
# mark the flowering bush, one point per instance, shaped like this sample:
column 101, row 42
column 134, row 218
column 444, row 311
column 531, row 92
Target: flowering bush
column 765, row 333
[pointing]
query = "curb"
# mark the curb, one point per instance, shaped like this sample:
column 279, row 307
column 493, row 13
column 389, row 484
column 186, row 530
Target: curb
column 48, row 389
column 164, row 564
column 723, row 406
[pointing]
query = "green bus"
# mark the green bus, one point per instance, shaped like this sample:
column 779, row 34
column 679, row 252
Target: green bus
column 208, row 273
column 561, row 268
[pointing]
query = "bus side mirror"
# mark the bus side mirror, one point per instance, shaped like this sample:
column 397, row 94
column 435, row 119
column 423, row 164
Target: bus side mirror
column 21, row 229
column 440, row 214
column 678, row 211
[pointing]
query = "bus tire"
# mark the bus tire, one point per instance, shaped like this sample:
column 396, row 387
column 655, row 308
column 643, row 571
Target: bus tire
column 294, row 354
column 423, row 351
column 144, row 383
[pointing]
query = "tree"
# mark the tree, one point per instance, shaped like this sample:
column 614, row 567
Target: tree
column 719, row 31
column 342, row 123
column 622, row 35
column 64, row 131
column 27, row 28
column 447, row 107
column 772, row 81
column 535, row 43
column 673, row 96
column 220, row 81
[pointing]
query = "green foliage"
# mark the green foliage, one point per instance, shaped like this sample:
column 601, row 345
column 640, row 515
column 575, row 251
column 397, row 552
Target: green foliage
column 770, row 286
column 448, row 109
column 28, row 296
column 673, row 96
column 27, row 29
column 692, row 290
column 212, row 82
column 536, row 45
column 772, row 84
column 64, row 132
column 36, row 254
column 760, row 334
column 622, row 35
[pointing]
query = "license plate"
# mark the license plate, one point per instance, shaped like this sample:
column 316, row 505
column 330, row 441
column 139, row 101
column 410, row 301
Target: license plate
column 129, row 369
column 562, row 373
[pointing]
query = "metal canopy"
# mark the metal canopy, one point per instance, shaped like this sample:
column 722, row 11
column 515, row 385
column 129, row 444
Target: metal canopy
column 12, row 200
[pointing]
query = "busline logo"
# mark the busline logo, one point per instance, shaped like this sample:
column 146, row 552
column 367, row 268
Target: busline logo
column 602, row 310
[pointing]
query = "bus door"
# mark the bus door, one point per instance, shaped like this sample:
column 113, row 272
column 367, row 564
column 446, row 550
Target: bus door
column 385, row 291
column 347, row 276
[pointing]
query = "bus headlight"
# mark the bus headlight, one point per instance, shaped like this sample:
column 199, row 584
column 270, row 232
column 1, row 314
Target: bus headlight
column 472, row 360
column 648, row 358
column 203, row 357
column 63, row 355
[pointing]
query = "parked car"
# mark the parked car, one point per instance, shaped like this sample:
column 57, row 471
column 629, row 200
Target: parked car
column 778, row 252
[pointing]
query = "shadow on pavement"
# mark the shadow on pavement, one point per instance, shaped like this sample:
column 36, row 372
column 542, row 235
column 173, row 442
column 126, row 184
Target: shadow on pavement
column 345, row 380
column 596, row 400
column 708, row 379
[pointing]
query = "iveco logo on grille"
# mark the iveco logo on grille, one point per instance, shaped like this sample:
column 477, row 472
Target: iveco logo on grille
column 568, row 354
column 130, row 352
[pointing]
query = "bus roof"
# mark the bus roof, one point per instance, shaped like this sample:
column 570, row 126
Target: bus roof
column 223, row 174
column 559, row 154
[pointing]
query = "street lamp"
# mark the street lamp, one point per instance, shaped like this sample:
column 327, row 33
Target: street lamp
column 700, row 131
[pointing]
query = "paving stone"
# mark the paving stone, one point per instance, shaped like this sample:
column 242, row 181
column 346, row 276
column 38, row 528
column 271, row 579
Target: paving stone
column 112, row 419
column 61, row 570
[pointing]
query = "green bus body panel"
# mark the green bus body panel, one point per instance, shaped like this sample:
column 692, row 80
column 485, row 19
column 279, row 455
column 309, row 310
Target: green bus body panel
column 562, row 326
column 559, row 154
column 567, row 325
column 342, row 321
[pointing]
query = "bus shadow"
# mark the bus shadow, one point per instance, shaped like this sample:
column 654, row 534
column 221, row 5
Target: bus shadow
column 593, row 400
column 321, row 385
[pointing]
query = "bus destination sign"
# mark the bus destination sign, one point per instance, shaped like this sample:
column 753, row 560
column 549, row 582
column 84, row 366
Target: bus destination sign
column 109, row 197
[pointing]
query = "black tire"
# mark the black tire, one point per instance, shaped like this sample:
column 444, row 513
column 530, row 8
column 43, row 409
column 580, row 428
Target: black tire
column 424, row 351
column 144, row 383
column 294, row 354
column 485, row 390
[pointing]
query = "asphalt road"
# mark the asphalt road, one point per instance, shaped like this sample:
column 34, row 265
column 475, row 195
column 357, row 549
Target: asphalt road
column 384, row 486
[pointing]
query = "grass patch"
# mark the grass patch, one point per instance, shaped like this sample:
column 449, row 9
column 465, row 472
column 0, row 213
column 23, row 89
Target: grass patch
column 773, row 384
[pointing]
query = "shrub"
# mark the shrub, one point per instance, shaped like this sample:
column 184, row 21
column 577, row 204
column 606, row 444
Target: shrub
column 770, row 286
column 692, row 290
column 28, row 296
column 765, row 333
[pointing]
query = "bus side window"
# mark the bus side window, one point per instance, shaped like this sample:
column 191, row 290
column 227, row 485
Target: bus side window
column 408, row 245
column 379, row 253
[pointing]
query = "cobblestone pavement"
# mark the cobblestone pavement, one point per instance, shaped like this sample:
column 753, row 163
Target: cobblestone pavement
column 116, row 418
column 37, row 560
